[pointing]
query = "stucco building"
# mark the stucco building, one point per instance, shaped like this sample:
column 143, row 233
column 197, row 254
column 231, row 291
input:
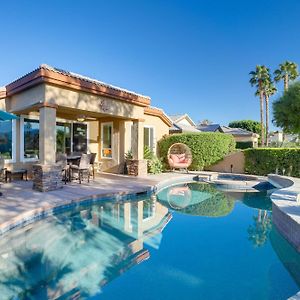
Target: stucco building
column 60, row 111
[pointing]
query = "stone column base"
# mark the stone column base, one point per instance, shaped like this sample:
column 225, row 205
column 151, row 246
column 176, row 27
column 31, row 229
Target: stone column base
column 137, row 167
column 46, row 177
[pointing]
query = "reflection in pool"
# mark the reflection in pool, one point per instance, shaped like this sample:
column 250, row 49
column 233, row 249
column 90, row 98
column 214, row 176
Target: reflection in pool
column 190, row 242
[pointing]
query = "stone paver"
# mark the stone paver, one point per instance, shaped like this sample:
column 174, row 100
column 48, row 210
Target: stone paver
column 19, row 199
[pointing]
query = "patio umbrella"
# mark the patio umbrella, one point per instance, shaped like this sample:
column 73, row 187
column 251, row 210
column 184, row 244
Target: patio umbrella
column 5, row 116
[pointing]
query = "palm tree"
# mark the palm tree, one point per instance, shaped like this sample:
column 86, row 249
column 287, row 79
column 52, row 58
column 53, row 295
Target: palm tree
column 269, row 90
column 287, row 71
column 260, row 78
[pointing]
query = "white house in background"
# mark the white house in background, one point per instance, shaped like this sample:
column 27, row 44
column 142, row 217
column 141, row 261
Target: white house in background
column 278, row 137
column 182, row 123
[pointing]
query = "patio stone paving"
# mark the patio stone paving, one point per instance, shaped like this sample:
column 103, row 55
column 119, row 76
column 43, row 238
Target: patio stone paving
column 19, row 199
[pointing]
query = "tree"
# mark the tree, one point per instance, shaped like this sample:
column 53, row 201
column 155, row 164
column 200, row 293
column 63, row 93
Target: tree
column 269, row 90
column 287, row 71
column 260, row 78
column 286, row 110
column 205, row 122
column 250, row 125
column 260, row 230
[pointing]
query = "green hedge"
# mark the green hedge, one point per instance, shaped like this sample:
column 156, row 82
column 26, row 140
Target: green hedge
column 207, row 148
column 263, row 161
column 244, row 145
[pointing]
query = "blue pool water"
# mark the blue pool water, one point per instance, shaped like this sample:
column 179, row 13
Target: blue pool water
column 190, row 241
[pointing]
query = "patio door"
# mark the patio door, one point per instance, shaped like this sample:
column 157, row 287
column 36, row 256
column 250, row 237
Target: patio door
column 80, row 137
column 63, row 137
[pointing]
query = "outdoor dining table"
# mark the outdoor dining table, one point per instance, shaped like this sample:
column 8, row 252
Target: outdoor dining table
column 73, row 158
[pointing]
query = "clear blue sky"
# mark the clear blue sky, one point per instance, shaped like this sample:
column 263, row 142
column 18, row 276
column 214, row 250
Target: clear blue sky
column 188, row 56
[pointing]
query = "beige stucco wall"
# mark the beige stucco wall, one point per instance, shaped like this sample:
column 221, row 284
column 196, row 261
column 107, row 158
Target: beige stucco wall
column 161, row 128
column 245, row 139
column 237, row 160
column 92, row 103
column 93, row 137
column 104, row 109
column 26, row 98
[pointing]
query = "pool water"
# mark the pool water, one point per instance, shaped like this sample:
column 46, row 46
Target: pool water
column 191, row 241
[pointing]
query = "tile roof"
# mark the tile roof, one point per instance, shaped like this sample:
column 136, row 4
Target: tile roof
column 89, row 79
column 155, row 111
column 48, row 74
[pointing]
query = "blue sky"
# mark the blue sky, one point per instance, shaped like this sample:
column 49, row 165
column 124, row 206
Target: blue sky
column 188, row 56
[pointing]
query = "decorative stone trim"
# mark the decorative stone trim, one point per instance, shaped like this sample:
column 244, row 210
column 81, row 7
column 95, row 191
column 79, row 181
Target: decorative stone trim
column 46, row 177
column 136, row 167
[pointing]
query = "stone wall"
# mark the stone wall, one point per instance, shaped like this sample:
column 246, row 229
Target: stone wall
column 46, row 177
column 288, row 227
column 137, row 167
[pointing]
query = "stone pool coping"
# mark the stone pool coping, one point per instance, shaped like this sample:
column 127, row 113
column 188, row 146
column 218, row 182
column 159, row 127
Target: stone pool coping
column 286, row 207
column 139, row 187
column 242, row 182
column 73, row 195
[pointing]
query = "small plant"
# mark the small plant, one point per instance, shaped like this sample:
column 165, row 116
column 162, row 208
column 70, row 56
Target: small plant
column 128, row 155
column 154, row 164
column 148, row 153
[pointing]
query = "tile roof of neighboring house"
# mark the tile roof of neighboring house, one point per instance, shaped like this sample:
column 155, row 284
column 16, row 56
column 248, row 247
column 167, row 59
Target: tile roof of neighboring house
column 237, row 131
column 154, row 111
column 209, row 127
column 177, row 118
column 56, row 76
column 183, row 128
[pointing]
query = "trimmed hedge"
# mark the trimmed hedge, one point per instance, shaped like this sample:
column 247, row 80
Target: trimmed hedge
column 263, row 161
column 244, row 145
column 207, row 147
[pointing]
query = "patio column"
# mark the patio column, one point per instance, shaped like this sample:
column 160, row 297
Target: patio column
column 139, row 164
column 47, row 174
column 47, row 135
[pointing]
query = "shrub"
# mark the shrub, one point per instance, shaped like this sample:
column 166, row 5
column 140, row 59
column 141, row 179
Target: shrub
column 263, row 161
column 249, row 125
column 154, row 164
column 244, row 145
column 207, row 148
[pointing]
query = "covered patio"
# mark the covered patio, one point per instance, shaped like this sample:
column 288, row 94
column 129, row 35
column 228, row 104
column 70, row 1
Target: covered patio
column 63, row 112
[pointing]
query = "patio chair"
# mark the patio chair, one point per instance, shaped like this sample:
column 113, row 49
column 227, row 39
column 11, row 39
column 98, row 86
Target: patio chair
column 82, row 169
column 61, row 159
column 92, row 163
column 179, row 156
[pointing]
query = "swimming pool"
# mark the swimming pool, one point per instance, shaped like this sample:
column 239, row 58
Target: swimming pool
column 191, row 241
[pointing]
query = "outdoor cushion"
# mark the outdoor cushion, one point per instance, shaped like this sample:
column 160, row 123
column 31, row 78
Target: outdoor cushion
column 181, row 156
column 182, row 159
column 175, row 158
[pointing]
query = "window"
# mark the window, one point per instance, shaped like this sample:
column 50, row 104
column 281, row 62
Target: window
column 149, row 138
column 63, row 137
column 148, row 209
column 79, row 137
column 31, row 139
column 106, row 140
column 7, row 139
